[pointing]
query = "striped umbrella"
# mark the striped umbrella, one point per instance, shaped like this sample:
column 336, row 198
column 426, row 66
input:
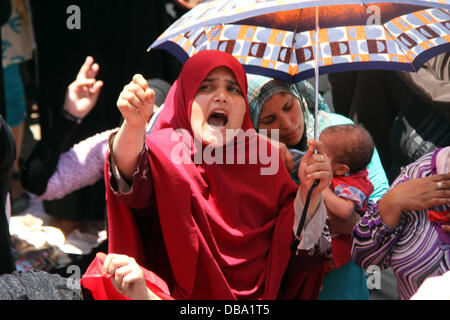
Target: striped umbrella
column 277, row 38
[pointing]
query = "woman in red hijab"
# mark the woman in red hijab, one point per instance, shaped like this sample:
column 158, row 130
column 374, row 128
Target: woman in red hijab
column 195, row 204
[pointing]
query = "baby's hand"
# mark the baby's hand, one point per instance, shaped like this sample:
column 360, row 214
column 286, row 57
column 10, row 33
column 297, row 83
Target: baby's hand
column 127, row 277
column 136, row 102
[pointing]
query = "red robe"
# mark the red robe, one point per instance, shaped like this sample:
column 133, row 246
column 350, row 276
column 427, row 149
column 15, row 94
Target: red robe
column 218, row 231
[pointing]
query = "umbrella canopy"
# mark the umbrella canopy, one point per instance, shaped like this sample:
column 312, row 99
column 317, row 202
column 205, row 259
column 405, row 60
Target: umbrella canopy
column 276, row 38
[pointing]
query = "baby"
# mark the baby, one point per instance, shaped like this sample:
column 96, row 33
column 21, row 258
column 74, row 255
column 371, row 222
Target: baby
column 350, row 148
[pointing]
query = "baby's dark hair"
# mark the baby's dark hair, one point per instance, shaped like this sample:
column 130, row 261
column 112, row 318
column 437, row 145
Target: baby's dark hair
column 355, row 148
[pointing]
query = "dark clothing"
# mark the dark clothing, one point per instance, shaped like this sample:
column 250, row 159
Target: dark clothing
column 424, row 122
column 7, row 156
column 2, row 87
column 117, row 34
column 5, row 12
column 418, row 130
column 431, row 83
column 372, row 98
column 86, row 204
column 43, row 160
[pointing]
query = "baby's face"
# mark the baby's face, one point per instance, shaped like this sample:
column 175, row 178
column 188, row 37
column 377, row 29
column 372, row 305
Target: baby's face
column 330, row 140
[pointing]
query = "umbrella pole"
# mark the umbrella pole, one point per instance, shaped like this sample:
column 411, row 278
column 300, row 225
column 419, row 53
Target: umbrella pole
column 296, row 241
column 316, row 79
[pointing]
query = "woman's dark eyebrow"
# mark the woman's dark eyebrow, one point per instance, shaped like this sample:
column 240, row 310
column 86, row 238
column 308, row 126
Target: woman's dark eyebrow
column 234, row 83
column 214, row 79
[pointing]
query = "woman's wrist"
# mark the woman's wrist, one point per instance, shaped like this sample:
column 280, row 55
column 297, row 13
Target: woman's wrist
column 390, row 212
column 69, row 116
column 127, row 145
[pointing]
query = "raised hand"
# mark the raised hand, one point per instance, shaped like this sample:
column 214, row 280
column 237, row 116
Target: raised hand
column 82, row 94
column 136, row 102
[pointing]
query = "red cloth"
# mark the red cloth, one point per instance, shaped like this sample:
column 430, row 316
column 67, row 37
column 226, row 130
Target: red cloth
column 439, row 216
column 101, row 287
column 226, row 228
column 341, row 247
column 358, row 188
column 303, row 277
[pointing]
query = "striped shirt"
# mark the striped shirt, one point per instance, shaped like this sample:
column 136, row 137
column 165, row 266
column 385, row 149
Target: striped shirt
column 413, row 249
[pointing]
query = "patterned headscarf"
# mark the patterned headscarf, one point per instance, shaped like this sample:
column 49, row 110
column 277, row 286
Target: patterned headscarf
column 261, row 88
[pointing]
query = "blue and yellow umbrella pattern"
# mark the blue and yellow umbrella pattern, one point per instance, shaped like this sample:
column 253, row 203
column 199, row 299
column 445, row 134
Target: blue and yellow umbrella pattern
column 276, row 38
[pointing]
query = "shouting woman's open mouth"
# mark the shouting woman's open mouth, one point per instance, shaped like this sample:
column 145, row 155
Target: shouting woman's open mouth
column 218, row 119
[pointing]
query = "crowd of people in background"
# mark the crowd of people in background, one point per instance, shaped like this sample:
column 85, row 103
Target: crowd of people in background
column 111, row 115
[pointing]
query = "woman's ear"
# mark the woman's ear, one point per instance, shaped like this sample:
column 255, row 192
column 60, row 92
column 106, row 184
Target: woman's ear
column 341, row 169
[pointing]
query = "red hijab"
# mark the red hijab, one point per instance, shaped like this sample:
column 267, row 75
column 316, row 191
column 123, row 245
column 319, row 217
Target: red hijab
column 226, row 228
